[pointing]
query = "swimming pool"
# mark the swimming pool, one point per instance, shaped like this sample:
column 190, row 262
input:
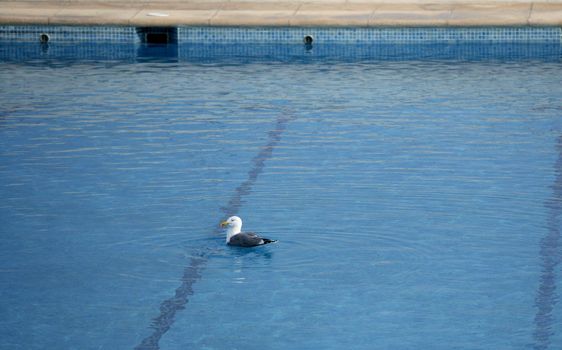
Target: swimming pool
column 414, row 189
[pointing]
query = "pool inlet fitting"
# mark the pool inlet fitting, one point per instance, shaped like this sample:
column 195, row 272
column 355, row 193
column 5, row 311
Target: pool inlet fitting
column 44, row 38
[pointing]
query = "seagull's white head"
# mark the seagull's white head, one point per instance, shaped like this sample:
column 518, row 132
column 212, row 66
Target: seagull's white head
column 233, row 221
column 234, row 224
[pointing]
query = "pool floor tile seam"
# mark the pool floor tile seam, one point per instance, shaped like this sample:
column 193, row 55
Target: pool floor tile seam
column 162, row 323
column 284, row 13
column 550, row 256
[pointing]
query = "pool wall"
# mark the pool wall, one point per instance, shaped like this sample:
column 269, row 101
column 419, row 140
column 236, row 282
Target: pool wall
column 284, row 35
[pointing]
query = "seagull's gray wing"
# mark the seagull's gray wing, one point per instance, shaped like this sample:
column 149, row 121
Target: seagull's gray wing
column 249, row 239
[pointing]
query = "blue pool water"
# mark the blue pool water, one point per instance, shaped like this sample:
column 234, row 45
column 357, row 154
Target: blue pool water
column 416, row 193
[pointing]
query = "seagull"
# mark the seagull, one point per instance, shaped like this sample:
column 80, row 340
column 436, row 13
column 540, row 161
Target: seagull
column 242, row 239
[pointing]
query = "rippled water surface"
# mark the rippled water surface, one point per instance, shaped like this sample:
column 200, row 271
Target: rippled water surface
column 416, row 198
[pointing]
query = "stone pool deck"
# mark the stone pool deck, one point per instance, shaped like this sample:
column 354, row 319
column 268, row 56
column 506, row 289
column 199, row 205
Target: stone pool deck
column 292, row 13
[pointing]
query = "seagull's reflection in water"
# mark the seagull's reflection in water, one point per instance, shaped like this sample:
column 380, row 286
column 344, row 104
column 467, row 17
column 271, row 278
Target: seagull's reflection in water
column 238, row 264
column 251, row 253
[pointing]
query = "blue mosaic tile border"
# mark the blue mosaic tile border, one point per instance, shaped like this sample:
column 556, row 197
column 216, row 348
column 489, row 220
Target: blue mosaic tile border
column 69, row 33
column 290, row 35
column 370, row 35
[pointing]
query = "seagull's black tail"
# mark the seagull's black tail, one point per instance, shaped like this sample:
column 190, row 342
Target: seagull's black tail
column 267, row 240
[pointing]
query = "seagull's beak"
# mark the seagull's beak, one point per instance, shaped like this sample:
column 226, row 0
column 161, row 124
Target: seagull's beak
column 224, row 224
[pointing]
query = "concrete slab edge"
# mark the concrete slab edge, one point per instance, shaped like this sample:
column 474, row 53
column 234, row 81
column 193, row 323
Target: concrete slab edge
column 288, row 14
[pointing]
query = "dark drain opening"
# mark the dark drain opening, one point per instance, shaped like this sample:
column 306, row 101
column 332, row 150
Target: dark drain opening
column 157, row 38
column 158, row 35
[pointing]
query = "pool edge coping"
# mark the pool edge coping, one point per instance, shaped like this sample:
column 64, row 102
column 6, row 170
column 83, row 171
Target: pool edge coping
column 282, row 14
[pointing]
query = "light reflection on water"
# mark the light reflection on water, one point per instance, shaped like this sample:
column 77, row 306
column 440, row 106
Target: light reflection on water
column 408, row 197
